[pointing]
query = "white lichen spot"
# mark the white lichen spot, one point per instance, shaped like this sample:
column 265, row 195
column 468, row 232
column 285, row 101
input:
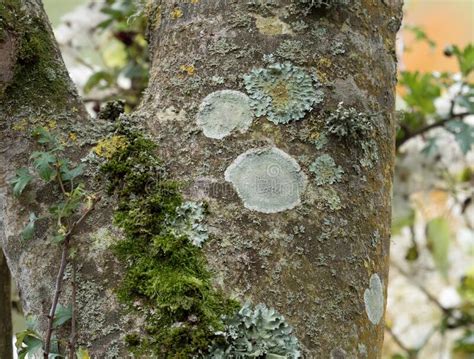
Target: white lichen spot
column 267, row 180
column 374, row 299
column 224, row 111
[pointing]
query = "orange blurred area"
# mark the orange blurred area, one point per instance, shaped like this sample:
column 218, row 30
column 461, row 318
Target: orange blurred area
column 445, row 22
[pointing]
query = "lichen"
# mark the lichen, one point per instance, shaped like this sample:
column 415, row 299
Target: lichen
column 189, row 222
column 224, row 111
column 330, row 199
column 257, row 333
column 325, row 170
column 294, row 51
column 356, row 129
column 271, row 25
column 327, row 4
column 282, row 92
column 374, row 299
column 267, row 180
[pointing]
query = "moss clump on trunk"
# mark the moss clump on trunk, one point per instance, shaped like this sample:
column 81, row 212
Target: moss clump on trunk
column 166, row 278
column 36, row 80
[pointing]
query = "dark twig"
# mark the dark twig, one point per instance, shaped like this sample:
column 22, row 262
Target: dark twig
column 73, row 337
column 60, row 275
column 427, row 128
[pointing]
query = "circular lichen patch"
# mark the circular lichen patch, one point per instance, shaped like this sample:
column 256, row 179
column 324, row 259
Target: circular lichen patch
column 267, row 180
column 282, row 92
column 224, row 111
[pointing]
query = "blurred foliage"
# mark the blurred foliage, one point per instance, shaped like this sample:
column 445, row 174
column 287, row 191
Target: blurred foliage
column 125, row 54
column 423, row 96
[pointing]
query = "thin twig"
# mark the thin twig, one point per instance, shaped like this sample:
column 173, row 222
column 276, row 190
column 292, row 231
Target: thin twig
column 72, row 339
column 427, row 128
column 59, row 277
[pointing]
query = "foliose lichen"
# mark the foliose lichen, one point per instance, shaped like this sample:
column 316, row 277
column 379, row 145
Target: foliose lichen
column 189, row 222
column 224, row 111
column 257, row 332
column 282, row 92
column 267, row 179
column 325, row 170
column 356, row 129
column 374, row 299
column 327, row 4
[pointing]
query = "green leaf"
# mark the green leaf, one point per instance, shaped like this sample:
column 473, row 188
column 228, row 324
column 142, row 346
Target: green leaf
column 420, row 35
column 44, row 136
column 21, row 180
column 463, row 133
column 421, row 90
column 70, row 174
column 28, row 343
column 43, row 163
column 438, row 235
column 62, row 315
column 29, row 230
column 465, row 57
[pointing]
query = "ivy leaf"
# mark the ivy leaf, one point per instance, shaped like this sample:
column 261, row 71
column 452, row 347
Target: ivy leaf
column 43, row 163
column 438, row 235
column 21, row 180
column 62, row 315
column 463, row 133
column 29, row 230
column 44, row 136
column 28, row 343
column 69, row 174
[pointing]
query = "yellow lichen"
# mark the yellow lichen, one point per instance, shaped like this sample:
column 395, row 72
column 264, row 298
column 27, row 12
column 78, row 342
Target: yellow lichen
column 109, row 146
column 176, row 13
column 72, row 136
column 271, row 25
column 21, row 125
column 190, row 70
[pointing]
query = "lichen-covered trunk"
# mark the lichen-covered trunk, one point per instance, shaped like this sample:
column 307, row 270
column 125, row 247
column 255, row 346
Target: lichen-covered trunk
column 278, row 116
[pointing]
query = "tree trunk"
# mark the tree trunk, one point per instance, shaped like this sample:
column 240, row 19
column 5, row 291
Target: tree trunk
column 244, row 102
column 6, row 334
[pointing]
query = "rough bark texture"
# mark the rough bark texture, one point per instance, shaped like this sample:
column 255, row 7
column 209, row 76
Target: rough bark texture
column 6, row 347
column 321, row 257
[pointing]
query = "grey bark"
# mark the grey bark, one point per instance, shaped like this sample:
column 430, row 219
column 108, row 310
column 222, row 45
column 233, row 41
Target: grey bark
column 318, row 262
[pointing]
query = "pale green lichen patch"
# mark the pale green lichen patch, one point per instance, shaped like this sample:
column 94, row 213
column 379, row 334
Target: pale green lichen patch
column 374, row 299
column 257, row 332
column 267, row 180
column 355, row 128
column 282, row 92
column 325, row 170
column 224, row 111
column 189, row 222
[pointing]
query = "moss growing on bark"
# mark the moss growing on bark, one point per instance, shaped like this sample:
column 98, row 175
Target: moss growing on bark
column 36, row 78
column 166, row 278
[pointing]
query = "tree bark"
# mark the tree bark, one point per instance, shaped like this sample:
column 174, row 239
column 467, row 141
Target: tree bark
column 243, row 102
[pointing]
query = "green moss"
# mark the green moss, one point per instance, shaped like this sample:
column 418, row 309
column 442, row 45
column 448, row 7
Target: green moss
column 35, row 80
column 166, row 276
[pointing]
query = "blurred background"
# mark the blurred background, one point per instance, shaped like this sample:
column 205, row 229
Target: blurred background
column 430, row 310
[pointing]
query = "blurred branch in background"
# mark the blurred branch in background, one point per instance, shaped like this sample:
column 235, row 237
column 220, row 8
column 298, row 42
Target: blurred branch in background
column 6, row 330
